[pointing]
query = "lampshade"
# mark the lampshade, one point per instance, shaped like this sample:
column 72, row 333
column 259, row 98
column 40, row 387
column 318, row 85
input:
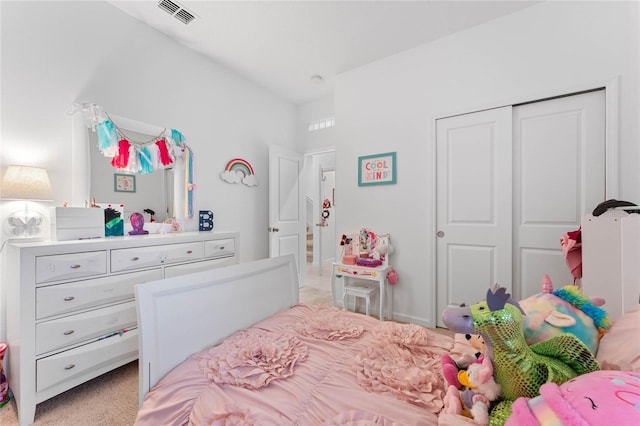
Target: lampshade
column 26, row 183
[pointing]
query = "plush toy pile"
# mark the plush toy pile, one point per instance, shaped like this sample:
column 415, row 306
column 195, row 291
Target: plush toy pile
column 521, row 369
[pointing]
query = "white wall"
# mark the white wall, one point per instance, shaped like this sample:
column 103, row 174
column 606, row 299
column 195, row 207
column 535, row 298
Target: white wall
column 56, row 53
column 391, row 105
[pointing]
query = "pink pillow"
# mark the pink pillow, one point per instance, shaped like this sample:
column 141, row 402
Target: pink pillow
column 620, row 347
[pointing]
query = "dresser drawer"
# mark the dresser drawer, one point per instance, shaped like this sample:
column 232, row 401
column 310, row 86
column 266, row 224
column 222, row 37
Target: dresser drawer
column 74, row 265
column 189, row 268
column 69, row 297
column 219, row 248
column 113, row 351
column 66, row 331
column 141, row 257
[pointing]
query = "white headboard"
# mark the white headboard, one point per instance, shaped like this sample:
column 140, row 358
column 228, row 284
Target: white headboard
column 183, row 315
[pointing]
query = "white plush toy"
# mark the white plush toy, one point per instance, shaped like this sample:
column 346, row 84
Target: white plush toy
column 383, row 246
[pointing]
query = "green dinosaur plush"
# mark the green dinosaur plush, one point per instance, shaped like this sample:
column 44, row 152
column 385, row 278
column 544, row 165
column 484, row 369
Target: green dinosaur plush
column 520, row 369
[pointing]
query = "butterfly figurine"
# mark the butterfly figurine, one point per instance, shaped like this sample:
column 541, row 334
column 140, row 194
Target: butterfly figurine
column 25, row 227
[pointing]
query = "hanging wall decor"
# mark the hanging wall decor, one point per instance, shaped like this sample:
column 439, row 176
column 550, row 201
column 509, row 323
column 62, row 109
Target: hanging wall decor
column 139, row 157
column 238, row 170
column 379, row 169
column 124, row 183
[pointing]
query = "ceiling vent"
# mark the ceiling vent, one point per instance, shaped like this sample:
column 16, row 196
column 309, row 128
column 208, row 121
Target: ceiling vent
column 177, row 11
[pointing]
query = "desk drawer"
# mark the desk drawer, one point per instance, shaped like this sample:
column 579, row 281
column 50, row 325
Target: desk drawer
column 83, row 360
column 141, row 257
column 68, row 266
column 51, row 335
column 219, row 248
column 63, row 298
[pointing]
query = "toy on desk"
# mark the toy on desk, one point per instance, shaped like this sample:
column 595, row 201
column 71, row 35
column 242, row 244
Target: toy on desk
column 348, row 258
column 367, row 242
column 137, row 223
column 383, row 247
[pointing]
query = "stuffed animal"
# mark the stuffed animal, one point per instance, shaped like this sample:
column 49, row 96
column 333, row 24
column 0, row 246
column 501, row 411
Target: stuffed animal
column 451, row 367
column 481, row 389
column 383, row 247
column 604, row 397
column 566, row 310
column 520, row 369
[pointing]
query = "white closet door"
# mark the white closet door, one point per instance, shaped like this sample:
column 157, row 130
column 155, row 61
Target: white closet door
column 474, row 157
column 559, row 165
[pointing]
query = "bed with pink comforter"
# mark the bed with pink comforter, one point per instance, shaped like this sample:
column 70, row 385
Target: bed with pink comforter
column 308, row 365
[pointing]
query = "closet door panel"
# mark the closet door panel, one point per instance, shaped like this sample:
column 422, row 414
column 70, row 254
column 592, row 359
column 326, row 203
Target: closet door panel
column 559, row 176
column 473, row 206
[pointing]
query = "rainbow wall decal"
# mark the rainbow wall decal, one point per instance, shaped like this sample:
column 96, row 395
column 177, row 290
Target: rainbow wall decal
column 239, row 170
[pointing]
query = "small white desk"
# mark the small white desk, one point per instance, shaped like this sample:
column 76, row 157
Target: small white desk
column 379, row 274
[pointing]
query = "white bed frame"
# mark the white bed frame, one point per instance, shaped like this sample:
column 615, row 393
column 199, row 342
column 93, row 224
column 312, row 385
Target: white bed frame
column 183, row 315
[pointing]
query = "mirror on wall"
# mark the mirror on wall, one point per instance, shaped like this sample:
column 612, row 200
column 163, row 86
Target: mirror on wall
column 162, row 192
column 145, row 193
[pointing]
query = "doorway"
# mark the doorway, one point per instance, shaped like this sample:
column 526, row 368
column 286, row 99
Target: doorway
column 320, row 201
column 510, row 182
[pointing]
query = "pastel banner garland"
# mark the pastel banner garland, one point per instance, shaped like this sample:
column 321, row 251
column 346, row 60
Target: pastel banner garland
column 140, row 157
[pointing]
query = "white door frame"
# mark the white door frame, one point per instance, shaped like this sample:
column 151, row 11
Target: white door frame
column 611, row 87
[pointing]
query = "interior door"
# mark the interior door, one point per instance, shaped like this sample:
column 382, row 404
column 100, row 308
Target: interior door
column 286, row 206
column 559, row 160
column 473, row 206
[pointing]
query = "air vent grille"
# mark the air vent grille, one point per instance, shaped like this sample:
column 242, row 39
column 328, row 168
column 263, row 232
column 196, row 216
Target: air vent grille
column 184, row 16
column 177, row 11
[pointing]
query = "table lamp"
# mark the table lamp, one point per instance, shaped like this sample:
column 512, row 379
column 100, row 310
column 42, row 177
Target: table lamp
column 29, row 184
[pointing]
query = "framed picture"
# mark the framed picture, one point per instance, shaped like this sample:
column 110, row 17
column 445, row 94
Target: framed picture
column 124, row 183
column 378, row 169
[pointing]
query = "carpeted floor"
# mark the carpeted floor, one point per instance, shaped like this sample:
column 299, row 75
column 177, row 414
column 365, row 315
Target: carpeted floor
column 111, row 399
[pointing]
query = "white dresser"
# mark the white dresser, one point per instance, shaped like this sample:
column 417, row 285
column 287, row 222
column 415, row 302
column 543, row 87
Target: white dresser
column 70, row 306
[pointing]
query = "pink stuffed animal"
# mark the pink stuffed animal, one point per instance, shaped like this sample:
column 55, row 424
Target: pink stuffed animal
column 474, row 402
column 604, row 397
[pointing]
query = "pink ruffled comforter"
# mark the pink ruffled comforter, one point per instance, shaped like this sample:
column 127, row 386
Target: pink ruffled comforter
column 308, row 365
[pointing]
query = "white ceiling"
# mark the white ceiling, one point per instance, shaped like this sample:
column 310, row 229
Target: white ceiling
column 281, row 44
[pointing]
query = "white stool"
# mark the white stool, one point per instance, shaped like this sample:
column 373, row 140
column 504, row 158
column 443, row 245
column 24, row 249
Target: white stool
column 358, row 290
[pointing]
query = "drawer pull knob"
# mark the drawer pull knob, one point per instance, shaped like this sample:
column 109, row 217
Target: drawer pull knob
column 135, row 258
column 69, row 367
column 76, row 266
column 221, row 247
column 68, row 332
column 69, row 298
column 189, row 251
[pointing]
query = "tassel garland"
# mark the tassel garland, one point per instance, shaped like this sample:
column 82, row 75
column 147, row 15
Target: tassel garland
column 140, row 157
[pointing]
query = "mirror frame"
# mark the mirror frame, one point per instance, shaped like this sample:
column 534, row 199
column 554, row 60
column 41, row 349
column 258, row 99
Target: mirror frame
column 81, row 160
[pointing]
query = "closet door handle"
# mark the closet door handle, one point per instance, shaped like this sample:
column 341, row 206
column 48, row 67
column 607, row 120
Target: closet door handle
column 76, row 266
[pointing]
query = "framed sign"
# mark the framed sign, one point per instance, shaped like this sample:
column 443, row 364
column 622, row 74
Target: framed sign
column 124, row 183
column 379, row 169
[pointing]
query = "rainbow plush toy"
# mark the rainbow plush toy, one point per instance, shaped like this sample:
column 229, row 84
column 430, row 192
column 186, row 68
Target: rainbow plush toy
column 566, row 310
